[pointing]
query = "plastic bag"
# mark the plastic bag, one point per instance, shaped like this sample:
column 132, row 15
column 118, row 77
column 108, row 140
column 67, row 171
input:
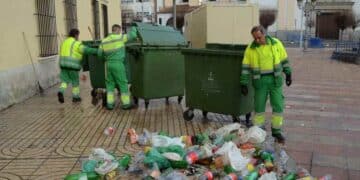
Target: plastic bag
column 225, row 130
column 173, row 148
column 106, row 167
column 237, row 161
column 172, row 156
column 256, row 135
column 268, row 176
column 133, row 136
column 153, row 156
column 164, row 141
column 99, row 154
column 88, row 166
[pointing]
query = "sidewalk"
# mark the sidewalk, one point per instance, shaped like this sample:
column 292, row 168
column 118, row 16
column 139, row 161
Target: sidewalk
column 42, row 139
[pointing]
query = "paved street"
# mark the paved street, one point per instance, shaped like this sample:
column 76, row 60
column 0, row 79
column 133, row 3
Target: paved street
column 41, row 139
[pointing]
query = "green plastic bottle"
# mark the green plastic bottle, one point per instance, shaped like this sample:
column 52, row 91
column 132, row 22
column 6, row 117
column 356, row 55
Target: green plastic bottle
column 124, row 162
column 289, row 176
column 89, row 176
column 252, row 175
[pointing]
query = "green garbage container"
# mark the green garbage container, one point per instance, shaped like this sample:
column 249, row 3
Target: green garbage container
column 156, row 63
column 232, row 47
column 212, row 83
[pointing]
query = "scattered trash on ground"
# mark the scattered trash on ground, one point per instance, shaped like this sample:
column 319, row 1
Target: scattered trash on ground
column 230, row 153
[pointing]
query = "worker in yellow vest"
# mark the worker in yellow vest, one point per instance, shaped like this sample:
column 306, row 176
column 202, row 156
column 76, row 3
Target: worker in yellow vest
column 113, row 50
column 71, row 52
column 265, row 60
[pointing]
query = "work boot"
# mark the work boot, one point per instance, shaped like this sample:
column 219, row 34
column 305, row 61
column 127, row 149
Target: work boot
column 279, row 137
column 76, row 99
column 60, row 97
column 109, row 107
column 127, row 107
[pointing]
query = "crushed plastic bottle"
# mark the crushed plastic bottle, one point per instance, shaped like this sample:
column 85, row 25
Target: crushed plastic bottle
column 109, row 131
column 172, row 175
column 326, row 177
column 133, row 136
column 145, row 138
column 136, row 167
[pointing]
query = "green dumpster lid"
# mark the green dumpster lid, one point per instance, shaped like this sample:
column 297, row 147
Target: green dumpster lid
column 156, row 35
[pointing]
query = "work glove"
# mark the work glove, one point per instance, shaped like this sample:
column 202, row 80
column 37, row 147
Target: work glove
column 288, row 79
column 244, row 90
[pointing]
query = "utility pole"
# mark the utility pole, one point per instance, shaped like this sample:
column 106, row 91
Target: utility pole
column 174, row 14
column 155, row 12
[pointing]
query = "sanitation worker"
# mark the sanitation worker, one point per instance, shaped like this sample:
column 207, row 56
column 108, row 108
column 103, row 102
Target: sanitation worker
column 71, row 52
column 113, row 50
column 265, row 60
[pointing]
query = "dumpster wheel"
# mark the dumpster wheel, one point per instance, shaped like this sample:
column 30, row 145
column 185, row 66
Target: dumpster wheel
column 204, row 113
column 180, row 98
column 188, row 114
column 248, row 122
column 104, row 102
column 146, row 103
column 167, row 100
column 236, row 119
column 136, row 100
column 93, row 93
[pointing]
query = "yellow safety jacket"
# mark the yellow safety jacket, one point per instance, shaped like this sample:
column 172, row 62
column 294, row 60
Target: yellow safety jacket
column 113, row 46
column 71, row 52
column 264, row 60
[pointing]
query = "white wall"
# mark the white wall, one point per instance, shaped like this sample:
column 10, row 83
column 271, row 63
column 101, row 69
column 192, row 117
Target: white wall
column 164, row 17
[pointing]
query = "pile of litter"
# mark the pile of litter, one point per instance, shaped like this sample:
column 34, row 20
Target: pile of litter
column 230, row 153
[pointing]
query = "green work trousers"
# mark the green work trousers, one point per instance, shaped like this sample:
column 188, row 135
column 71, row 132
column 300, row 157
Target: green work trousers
column 70, row 76
column 116, row 77
column 267, row 88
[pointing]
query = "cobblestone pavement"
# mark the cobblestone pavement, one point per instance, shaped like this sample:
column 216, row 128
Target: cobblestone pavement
column 41, row 139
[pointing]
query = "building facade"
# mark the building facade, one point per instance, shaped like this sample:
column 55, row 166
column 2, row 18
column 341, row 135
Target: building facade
column 44, row 24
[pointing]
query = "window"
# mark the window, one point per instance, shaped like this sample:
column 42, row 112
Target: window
column 45, row 12
column 160, row 21
column 96, row 18
column 185, row 1
column 105, row 19
column 70, row 14
column 127, row 1
column 142, row 0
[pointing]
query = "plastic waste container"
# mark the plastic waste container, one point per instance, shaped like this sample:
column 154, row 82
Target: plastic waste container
column 212, row 83
column 156, row 63
column 233, row 47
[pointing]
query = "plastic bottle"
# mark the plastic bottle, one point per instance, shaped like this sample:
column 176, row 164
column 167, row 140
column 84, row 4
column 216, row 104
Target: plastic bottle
column 124, row 162
column 109, row 131
column 208, row 175
column 289, row 176
column 261, row 169
column 268, row 159
column 133, row 136
column 231, row 176
column 326, row 177
column 195, row 155
column 83, row 176
column 252, row 175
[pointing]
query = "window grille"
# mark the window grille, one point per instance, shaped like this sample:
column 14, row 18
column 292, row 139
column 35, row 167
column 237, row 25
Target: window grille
column 70, row 14
column 47, row 33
